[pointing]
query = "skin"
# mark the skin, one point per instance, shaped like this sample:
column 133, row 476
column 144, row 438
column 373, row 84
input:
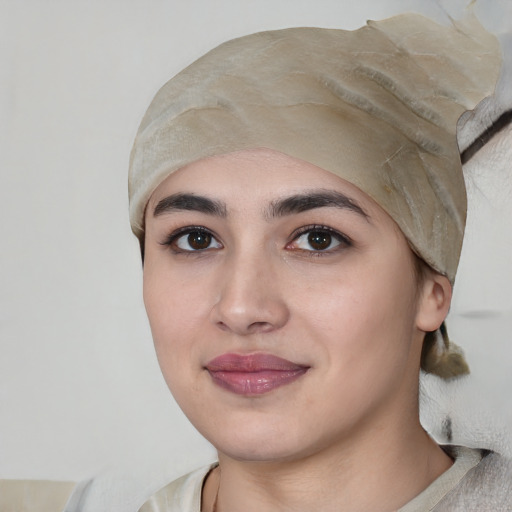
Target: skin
column 346, row 434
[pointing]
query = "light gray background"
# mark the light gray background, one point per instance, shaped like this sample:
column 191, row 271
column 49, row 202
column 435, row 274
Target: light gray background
column 80, row 388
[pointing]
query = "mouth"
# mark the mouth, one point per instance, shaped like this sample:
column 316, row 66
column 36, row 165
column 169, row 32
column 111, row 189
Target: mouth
column 253, row 374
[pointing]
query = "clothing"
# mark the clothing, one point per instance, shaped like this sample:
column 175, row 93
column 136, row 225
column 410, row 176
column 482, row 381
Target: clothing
column 34, row 495
column 478, row 481
column 377, row 106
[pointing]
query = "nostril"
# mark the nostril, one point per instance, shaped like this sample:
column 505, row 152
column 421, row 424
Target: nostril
column 255, row 327
column 259, row 327
column 223, row 326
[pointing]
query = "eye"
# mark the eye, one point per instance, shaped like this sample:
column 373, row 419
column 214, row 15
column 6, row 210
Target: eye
column 192, row 239
column 318, row 239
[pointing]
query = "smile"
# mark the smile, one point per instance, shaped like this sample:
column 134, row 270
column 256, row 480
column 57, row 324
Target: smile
column 253, row 374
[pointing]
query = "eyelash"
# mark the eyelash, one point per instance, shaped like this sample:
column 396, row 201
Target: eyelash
column 343, row 240
column 173, row 238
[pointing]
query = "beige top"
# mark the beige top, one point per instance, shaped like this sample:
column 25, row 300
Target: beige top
column 34, row 495
column 184, row 494
column 465, row 459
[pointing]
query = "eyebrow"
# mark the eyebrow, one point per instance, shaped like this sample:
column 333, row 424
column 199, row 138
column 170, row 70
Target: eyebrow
column 290, row 205
column 190, row 202
column 311, row 200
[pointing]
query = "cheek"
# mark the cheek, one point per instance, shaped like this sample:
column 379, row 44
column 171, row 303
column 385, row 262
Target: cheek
column 364, row 314
column 174, row 295
column 365, row 335
column 174, row 306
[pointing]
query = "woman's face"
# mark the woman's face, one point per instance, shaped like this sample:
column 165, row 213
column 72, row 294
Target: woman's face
column 283, row 303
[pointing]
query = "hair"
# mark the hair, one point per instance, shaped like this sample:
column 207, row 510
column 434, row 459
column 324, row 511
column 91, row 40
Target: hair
column 142, row 245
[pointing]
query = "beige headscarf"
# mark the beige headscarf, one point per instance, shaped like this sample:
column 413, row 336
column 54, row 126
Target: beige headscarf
column 376, row 106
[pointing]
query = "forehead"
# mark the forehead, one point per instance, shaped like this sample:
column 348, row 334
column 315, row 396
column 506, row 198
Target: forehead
column 259, row 182
column 254, row 175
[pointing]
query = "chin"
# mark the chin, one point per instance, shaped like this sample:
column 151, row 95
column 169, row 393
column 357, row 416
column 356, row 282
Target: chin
column 259, row 450
column 260, row 439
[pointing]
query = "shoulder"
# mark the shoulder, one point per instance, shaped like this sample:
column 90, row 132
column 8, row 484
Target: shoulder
column 126, row 490
column 487, row 486
column 182, row 495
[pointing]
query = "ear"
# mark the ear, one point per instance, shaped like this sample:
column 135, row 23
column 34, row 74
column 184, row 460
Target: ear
column 434, row 301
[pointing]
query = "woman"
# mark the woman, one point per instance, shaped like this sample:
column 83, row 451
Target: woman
column 300, row 205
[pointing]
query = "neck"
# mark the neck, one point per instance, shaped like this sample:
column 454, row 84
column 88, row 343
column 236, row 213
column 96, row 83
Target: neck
column 380, row 470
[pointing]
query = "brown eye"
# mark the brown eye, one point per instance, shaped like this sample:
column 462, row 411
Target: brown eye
column 198, row 240
column 319, row 241
column 195, row 240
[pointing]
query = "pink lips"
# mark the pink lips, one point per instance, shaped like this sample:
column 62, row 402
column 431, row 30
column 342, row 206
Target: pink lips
column 253, row 374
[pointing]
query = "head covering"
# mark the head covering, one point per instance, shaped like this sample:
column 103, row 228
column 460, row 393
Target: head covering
column 377, row 106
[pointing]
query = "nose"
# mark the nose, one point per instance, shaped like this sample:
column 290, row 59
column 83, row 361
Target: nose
column 250, row 297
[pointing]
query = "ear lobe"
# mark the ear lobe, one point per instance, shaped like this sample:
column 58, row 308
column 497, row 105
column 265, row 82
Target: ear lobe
column 434, row 302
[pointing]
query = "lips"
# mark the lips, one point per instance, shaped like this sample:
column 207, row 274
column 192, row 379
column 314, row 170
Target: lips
column 253, row 374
